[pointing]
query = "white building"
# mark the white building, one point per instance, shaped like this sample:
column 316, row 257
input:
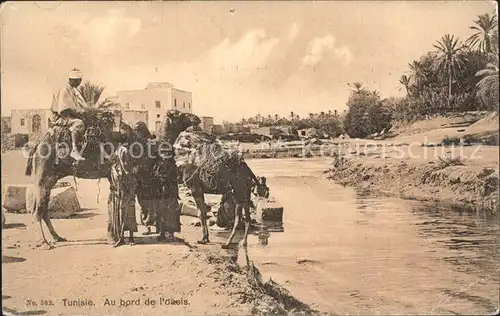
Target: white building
column 28, row 121
column 156, row 100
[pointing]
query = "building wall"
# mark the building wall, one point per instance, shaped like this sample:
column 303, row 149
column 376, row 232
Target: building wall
column 267, row 130
column 156, row 99
column 236, row 128
column 22, row 120
column 217, row 129
column 132, row 116
column 207, row 123
column 182, row 100
column 308, row 132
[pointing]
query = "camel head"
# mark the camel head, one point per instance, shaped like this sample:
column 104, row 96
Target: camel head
column 176, row 122
column 182, row 120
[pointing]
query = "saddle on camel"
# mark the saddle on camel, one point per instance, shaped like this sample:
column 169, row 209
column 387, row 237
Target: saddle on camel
column 78, row 143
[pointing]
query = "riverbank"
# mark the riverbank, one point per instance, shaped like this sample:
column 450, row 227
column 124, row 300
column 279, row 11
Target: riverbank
column 464, row 175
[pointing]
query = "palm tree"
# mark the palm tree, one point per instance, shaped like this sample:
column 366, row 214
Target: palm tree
column 91, row 93
column 485, row 27
column 417, row 71
column 488, row 85
column 358, row 86
column 405, row 81
column 448, row 58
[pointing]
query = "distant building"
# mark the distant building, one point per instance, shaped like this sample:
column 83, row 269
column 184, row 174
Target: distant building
column 6, row 124
column 287, row 129
column 267, row 131
column 28, row 121
column 156, row 99
column 236, row 128
column 308, row 132
column 217, row 129
column 251, row 126
column 207, row 122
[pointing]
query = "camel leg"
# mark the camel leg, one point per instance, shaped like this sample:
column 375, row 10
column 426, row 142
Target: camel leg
column 41, row 201
column 200, row 203
column 43, row 241
column 53, row 232
column 237, row 217
column 44, row 204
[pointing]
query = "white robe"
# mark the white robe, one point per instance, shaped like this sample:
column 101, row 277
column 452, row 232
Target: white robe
column 68, row 98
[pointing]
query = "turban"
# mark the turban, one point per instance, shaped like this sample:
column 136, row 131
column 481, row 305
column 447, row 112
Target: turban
column 75, row 74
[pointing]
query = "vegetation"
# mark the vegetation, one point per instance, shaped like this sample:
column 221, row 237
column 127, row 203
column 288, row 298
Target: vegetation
column 366, row 114
column 456, row 76
column 325, row 122
column 91, row 93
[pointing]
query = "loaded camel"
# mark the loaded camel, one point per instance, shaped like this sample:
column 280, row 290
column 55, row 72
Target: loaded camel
column 48, row 161
column 209, row 169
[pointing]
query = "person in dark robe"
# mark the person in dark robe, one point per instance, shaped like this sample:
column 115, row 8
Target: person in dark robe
column 166, row 202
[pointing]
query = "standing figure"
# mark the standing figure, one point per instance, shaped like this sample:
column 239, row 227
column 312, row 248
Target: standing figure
column 121, row 203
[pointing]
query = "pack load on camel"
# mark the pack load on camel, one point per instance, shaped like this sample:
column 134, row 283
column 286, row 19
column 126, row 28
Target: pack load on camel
column 78, row 143
column 207, row 167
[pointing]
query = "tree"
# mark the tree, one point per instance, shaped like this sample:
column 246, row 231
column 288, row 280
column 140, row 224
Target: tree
column 405, row 81
column 417, row 72
column 91, row 93
column 449, row 59
column 486, row 28
column 488, row 85
column 358, row 86
column 357, row 121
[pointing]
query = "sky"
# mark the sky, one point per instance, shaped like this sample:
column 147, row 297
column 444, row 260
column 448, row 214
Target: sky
column 237, row 58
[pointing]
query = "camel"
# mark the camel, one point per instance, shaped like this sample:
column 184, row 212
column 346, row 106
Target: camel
column 209, row 169
column 48, row 161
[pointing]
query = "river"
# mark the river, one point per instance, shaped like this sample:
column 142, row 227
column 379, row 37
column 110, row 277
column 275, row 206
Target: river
column 350, row 252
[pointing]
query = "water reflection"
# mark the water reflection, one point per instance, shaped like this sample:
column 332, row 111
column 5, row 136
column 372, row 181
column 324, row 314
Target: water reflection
column 376, row 254
column 472, row 238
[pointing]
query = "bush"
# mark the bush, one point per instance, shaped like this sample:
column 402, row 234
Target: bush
column 449, row 141
column 12, row 141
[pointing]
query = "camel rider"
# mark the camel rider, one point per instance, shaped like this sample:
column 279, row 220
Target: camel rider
column 66, row 104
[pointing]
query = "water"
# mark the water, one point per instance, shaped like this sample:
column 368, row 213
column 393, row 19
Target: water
column 350, row 252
